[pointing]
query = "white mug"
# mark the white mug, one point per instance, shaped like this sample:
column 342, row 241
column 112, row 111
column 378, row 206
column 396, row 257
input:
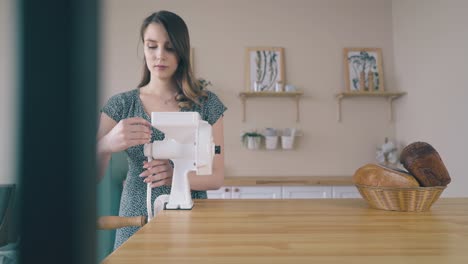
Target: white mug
column 290, row 88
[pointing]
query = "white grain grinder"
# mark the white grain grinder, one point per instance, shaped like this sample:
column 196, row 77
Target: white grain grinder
column 189, row 144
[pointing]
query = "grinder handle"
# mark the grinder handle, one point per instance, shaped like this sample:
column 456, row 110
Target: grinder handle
column 114, row 222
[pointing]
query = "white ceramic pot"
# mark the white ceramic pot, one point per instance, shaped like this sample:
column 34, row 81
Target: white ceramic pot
column 253, row 143
column 287, row 142
column 271, row 142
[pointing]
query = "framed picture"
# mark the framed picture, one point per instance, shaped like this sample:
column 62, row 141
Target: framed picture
column 264, row 68
column 363, row 70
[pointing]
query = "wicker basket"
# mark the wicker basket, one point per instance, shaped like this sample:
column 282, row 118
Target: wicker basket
column 416, row 199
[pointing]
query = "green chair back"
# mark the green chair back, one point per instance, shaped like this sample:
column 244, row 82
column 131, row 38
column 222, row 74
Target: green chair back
column 108, row 195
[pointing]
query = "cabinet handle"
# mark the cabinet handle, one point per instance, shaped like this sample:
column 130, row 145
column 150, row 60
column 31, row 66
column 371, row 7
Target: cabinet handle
column 226, row 190
column 236, row 190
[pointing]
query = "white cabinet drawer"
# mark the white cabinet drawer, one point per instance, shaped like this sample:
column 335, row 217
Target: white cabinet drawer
column 345, row 192
column 252, row 192
column 222, row 193
column 246, row 192
column 284, row 192
column 306, row 192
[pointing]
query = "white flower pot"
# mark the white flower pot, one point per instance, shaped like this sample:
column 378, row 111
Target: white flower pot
column 253, row 143
column 271, row 142
column 287, row 142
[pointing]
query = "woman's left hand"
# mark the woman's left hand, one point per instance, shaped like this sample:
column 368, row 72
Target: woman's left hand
column 158, row 172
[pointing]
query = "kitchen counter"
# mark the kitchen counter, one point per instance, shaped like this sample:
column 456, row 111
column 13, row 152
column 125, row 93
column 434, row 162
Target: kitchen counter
column 287, row 180
column 300, row 231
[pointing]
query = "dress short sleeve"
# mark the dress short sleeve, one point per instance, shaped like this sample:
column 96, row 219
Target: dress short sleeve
column 114, row 107
column 213, row 108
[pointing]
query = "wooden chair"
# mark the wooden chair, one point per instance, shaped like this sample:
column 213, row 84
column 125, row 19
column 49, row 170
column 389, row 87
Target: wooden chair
column 114, row 222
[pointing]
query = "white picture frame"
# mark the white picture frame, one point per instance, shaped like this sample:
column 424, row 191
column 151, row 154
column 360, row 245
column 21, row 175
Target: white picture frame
column 264, row 68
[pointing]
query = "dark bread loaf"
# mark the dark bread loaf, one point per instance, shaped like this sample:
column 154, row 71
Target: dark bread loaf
column 380, row 176
column 425, row 164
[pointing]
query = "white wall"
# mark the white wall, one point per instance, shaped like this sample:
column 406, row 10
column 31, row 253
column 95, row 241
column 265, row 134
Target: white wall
column 431, row 54
column 7, row 93
column 313, row 34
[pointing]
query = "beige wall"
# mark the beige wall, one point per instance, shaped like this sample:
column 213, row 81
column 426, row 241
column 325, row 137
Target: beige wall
column 431, row 40
column 313, row 34
column 7, row 92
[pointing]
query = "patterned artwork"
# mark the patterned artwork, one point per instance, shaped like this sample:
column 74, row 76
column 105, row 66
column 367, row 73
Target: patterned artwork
column 363, row 69
column 265, row 68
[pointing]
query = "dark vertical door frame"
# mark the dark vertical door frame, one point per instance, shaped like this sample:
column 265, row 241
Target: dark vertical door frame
column 57, row 79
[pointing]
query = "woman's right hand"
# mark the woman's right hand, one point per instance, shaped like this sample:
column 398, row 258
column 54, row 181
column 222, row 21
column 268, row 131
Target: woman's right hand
column 127, row 133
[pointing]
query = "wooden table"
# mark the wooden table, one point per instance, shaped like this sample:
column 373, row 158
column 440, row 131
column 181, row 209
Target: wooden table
column 300, row 231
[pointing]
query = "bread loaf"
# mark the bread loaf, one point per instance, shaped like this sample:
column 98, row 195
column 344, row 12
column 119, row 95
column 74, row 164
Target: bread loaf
column 380, row 176
column 425, row 164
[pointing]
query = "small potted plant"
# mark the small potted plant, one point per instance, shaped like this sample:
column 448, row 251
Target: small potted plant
column 252, row 140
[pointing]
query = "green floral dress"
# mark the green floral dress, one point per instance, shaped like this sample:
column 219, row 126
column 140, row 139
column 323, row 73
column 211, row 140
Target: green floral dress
column 133, row 200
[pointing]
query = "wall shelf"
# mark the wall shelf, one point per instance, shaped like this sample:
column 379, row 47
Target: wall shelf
column 389, row 95
column 295, row 95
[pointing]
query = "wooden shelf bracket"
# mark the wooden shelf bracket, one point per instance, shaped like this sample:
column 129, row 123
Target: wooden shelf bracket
column 295, row 95
column 391, row 96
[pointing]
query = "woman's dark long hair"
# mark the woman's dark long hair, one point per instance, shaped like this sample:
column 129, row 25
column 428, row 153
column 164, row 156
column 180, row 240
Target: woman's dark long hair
column 189, row 89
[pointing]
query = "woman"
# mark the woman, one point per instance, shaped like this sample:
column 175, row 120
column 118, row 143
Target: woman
column 167, row 85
